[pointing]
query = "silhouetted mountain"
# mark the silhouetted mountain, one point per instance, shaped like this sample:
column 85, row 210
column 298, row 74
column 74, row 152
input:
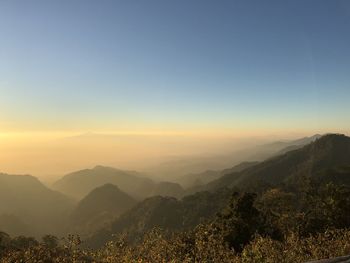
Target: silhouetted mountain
column 165, row 212
column 79, row 184
column 27, row 206
column 168, row 189
column 337, row 175
column 306, row 140
column 288, row 146
column 301, row 142
column 172, row 214
column 102, row 204
column 265, row 151
column 12, row 224
column 312, row 160
column 199, row 179
column 180, row 167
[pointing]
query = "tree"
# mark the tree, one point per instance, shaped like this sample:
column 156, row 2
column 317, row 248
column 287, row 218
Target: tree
column 50, row 241
column 22, row 242
column 240, row 221
column 5, row 240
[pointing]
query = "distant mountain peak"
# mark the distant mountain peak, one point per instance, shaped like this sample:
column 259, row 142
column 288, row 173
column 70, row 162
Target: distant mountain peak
column 332, row 136
column 79, row 183
column 105, row 199
column 31, row 202
column 106, row 168
column 107, row 186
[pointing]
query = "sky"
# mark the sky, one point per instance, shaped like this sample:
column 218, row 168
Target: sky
column 184, row 67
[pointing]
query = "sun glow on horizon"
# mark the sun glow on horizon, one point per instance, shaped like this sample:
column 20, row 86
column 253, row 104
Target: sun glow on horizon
column 54, row 153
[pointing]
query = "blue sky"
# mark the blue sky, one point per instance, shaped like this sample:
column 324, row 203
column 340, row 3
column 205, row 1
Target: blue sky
column 112, row 65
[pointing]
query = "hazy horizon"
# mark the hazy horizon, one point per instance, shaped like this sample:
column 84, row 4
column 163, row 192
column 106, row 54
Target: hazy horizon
column 174, row 131
column 51, row 156
column 144, row 81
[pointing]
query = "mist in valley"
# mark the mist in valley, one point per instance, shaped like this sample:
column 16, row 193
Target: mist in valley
column 67, row 170
column 174, row 131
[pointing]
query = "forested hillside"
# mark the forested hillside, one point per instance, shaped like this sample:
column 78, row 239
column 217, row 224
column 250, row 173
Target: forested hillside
column 289, row 208
column 100, row 206
column 312, row 160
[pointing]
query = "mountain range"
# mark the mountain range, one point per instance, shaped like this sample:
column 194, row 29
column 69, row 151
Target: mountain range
column 329, row 151
column 199, row 179
column 177, row 169
column 101, row 205
column 29, row 207
column 164, row 212
column 109, row 201
column 79, row 184
column 326, row 159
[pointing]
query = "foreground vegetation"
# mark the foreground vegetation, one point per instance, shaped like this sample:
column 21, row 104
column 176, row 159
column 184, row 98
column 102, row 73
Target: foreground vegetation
column 201, row 245
column 291, row 208
column 277, row 225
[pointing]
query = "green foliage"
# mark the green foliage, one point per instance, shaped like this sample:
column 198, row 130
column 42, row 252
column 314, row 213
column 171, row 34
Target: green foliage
column 22, row 242
column 50, row 241
column 326, row 206
column 203, row 244
column 295, row 249
column 240, row 221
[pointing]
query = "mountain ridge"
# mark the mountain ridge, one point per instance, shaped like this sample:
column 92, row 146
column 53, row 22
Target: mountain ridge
column 79, row 183
column 325, row 152
column 25, row 199
column 100, row 205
